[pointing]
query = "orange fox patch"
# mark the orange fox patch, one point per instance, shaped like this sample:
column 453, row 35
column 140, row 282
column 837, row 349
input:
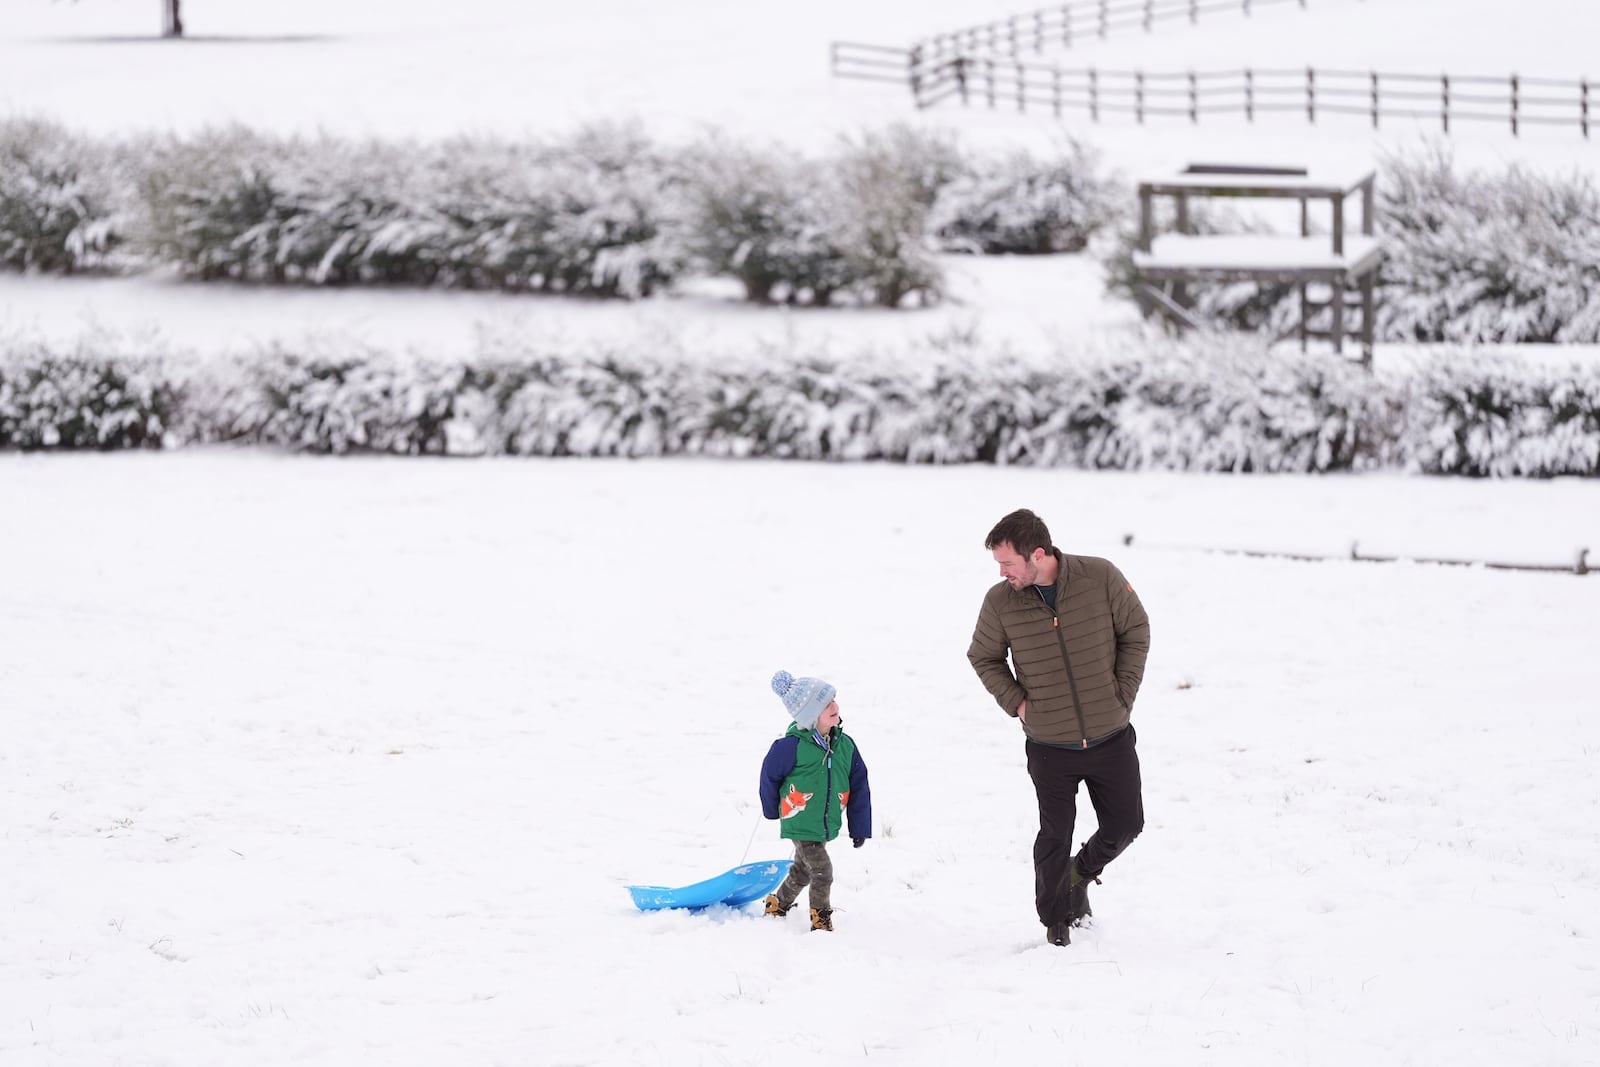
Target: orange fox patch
column 793, row 804
column 844, row 799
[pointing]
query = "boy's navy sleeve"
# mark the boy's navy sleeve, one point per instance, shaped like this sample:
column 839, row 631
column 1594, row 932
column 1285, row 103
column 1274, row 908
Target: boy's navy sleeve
column 774, row 769
column 859, row 813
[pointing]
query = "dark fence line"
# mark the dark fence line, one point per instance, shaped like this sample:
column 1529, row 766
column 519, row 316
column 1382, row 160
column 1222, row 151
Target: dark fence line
column 1579, row 566
column 1375, row 95
column 1059, row 26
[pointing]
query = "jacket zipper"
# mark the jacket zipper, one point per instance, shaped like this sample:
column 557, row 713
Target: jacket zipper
column 1066, row 661
column 827, row 763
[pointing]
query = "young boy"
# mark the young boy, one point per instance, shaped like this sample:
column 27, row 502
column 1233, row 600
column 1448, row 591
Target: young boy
column 813, row 776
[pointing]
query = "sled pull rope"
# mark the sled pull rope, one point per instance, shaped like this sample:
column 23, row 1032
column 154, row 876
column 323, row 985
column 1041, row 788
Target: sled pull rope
column 752, row 840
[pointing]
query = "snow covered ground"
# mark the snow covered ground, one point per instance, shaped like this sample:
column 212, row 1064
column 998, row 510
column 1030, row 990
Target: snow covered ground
column 334, row 761
column 316, row 761
column 1037, row 304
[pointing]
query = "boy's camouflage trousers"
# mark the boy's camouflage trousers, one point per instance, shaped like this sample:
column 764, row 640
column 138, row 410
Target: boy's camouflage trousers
column 811, row 867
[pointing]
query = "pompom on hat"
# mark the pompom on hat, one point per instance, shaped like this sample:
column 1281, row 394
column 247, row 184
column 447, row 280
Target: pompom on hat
column 805, row 699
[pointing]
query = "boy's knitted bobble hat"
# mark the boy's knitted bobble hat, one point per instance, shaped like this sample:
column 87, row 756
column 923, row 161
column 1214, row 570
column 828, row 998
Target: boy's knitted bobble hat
column 805, row 699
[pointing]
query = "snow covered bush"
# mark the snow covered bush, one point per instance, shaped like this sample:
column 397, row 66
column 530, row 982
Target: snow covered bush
column 879, row 218
column 603, row 406
column 338, row 403
column 1476, row 257
column 1019, row 203
column 616, row 224
column 1481, row 415
column 216, row 205
column 86, row 397
column 1229, row 405
column 58, row 210
column 761, row 217
column 808, row 230
column 923, row 161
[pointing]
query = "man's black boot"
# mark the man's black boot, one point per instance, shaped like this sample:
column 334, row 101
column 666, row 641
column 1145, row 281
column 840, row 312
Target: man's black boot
column 1078, row 908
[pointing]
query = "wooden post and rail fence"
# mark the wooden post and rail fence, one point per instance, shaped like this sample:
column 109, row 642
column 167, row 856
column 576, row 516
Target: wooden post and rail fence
column 1063, row 25
column 999, row 82
column 997, row 65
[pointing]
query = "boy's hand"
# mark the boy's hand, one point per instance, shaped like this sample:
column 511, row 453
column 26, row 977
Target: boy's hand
column 857, row 842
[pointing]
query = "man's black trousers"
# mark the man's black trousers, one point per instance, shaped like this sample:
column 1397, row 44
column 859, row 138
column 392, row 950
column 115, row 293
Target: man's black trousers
column 1111, row 771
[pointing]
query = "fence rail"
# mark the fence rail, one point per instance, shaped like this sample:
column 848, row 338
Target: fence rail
column 1061, row 25
column 997, row 82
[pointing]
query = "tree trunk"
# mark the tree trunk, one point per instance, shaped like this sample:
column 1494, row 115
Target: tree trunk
column 171, row 21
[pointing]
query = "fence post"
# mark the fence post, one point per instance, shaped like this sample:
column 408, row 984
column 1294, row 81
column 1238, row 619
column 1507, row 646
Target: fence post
column 1311, row 96
column 1514, row 103
column 1055, row 90
column 1102, row 19
column 1374, row 99
column 1138, row 96
column 1038, row 31
column 1194, row 12
column 961, row 80
column 1149, row 16
column 1094, row 95
column 1012, row 30
column 1249, row 95
column 1444, row 101
column 1022, row 88
column 1583, row 105
column 1247, row 7
column 1194, row 101
column 988, row 68
column 914, row 73
column 1066, row 25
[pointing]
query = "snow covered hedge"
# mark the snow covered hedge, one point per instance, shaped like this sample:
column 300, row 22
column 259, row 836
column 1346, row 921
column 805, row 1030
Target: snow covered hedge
column 1506, row 257
column 602, row 211
column 586, row 216
column 88, row 397
column 58, row 206
column 1216, row 405
column 805, row 230
column 1021, row 204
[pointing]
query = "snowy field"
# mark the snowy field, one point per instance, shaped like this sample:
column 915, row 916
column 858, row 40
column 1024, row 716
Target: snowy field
column 348, row 761
column 320, row 762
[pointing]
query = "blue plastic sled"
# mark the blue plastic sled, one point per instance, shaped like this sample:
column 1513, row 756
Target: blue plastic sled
column 734, row 888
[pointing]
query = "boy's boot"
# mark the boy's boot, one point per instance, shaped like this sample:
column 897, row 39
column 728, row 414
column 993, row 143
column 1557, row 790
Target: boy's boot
column 1058, row 934
column 822, row 919
column 1078, row 908
column 775, row 908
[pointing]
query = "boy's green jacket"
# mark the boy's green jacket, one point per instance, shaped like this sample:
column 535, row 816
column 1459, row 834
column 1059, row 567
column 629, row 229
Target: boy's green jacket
column 814, row 789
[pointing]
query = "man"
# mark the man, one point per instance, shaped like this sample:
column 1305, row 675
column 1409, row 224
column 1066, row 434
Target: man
column 1078, row 637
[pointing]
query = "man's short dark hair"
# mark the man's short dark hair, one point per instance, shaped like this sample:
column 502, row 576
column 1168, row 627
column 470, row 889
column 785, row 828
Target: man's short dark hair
column 1024, row 530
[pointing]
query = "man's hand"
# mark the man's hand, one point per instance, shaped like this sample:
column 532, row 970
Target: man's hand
column 1022, row 711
